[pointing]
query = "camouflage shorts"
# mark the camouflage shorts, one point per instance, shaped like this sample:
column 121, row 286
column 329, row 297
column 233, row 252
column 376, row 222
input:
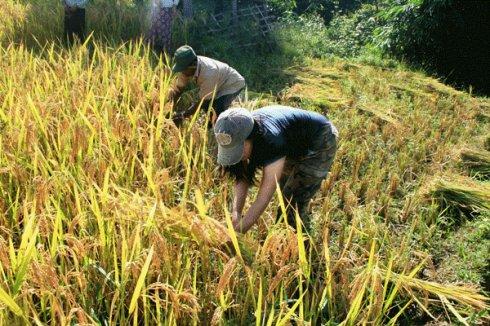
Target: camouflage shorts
column 302, row 177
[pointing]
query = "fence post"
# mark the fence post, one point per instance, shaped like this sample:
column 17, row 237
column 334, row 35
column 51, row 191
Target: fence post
column 258, row 13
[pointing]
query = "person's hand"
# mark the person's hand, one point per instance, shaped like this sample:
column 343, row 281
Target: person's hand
column 214, row 118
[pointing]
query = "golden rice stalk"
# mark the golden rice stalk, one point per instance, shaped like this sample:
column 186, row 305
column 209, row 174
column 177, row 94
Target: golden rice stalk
column 280, row 277
column 464, row 295
column 44, row 276
column 4, row 257
column 82, row 317
column 258, row 310
column 280, row 248
column 290, row 314
column 380, row 114
column 141, row 281
column 181, row 301
column 217, row 316
column 228, row 271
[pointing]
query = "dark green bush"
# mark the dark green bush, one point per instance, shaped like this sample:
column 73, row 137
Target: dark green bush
column 445, row 37
column 345, row 36
column 349, row 34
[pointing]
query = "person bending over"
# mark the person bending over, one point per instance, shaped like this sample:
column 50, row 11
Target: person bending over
column 294, row 147
column 219, row 84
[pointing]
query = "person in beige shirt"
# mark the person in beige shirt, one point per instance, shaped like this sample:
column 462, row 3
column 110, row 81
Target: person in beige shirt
column 219, row 84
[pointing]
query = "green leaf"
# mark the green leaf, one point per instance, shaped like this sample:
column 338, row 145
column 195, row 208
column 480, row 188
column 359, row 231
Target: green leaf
column 10, row 303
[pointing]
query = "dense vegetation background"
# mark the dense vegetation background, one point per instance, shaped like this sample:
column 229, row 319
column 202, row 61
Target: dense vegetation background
column 447, row 38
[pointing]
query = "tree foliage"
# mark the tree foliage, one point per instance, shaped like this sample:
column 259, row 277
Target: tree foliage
column 448, row 37
column 327, row 9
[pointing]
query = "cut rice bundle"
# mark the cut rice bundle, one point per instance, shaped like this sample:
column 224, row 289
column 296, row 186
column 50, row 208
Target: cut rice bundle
column 478, row 162
column 466, row 196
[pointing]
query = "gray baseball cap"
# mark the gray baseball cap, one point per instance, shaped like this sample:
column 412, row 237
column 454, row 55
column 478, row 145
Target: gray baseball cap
column 231, row 130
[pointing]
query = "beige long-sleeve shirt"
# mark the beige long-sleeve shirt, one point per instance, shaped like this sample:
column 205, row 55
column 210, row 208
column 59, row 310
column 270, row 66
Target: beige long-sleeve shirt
column 213, row 77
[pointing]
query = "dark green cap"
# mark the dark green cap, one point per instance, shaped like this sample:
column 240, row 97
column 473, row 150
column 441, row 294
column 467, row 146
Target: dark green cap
column 183, row 58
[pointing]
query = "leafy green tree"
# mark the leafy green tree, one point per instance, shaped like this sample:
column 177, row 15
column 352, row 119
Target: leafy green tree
column 447, row 37
column 282, row 6
column 328, row 9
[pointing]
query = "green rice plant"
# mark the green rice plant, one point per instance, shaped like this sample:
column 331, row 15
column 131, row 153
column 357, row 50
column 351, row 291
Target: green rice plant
column 8, row 301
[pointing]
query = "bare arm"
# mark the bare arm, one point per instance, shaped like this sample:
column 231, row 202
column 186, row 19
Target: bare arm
column 272, row 174
column 241, row 190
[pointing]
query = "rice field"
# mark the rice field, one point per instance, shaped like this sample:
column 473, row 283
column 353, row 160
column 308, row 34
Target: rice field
column 110, row 214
